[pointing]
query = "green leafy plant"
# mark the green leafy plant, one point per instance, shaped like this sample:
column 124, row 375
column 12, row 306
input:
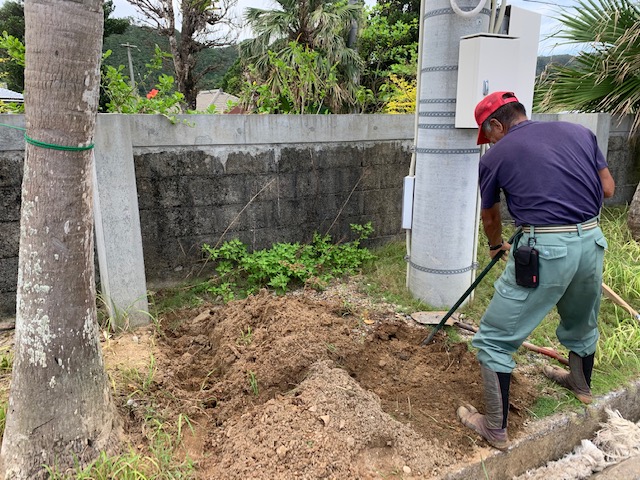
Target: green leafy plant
column 14, row 47
column 15, row 51
column 294, row 84
column 388, row 44
column 11, row 107
column 162, row 98
column 300, row 52
column 399, row 95
column 286, row 264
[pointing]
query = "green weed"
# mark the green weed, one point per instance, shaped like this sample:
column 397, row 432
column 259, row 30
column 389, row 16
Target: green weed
column 114, row 319
column 246, row 336
column 3, row 416
column 160, row 464
column 285, row 265
column 6, row 363
column 183, row 296
column 253, row 382
column 140, row 381
column 622, row 259
column 148, row 379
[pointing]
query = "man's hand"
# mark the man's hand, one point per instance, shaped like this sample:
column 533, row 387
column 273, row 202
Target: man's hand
column 506, row 246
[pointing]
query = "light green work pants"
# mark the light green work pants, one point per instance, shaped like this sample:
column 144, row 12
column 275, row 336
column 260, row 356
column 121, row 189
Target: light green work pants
column 570, row 268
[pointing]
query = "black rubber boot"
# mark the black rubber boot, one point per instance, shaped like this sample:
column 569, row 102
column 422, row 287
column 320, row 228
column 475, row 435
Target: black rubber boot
column 492, row 426
column 577, row 379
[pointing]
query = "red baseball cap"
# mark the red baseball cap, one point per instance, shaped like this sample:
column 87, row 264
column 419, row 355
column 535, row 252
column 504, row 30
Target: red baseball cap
column 487, row 106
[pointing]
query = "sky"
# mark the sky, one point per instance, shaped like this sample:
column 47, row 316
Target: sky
column 548, row 9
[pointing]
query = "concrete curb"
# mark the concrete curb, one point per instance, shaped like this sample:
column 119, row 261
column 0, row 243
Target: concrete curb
column 628, row 469
column 552, row 438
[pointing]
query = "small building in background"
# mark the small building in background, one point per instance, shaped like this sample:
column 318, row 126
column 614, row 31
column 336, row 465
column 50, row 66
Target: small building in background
column 216, row 97
column 7, row 95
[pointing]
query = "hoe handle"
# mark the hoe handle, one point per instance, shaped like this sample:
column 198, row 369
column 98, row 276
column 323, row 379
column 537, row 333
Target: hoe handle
column 607, row 290
column 475, row 283
column 549, row 352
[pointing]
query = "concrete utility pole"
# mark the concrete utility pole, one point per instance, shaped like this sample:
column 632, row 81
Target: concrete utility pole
column 444, row 227
column 132, row 80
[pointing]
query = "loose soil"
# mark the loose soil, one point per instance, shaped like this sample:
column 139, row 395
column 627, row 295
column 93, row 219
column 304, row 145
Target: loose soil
column 308, row 385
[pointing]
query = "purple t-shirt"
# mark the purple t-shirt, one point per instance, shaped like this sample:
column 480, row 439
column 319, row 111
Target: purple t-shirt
column 548, row 172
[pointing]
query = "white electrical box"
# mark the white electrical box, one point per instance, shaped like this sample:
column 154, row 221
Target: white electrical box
column 490, row 62
column 407, row 201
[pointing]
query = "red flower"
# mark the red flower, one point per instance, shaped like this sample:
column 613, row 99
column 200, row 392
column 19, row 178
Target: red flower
column 152, row 93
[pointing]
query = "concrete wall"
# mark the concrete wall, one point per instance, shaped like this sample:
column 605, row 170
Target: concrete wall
column 11, row 159
column 264, row 179
column 260, row 178
column 624, row 161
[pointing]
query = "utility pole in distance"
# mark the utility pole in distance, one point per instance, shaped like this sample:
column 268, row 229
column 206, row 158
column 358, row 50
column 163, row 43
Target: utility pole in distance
column 131, row 78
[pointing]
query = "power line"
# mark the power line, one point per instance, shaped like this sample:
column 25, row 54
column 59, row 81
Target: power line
column 555, row 4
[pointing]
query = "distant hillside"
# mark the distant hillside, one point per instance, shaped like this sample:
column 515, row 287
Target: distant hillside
column 145, row 39
column 557, row 59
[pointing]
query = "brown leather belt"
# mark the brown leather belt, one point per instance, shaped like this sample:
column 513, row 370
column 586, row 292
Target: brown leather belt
column 561, row 228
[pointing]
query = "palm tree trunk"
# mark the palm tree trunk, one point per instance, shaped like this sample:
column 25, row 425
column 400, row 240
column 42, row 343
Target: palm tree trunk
column 60, row 408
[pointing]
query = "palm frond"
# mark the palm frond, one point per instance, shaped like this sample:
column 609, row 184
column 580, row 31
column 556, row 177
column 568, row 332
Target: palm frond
column 598, row 23
column 606, row 78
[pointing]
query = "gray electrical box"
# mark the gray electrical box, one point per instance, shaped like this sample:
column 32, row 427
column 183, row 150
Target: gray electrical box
column 493, row 62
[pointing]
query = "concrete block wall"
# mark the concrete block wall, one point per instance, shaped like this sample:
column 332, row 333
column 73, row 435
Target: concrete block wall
column 263, row 179
column 11, row 161
column 624, row 160
column 260, row 178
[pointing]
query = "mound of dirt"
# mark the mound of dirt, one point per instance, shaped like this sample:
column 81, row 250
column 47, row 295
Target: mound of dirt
column 309, row 386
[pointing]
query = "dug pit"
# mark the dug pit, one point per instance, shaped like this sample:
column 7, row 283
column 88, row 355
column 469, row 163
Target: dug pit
column 312, row 385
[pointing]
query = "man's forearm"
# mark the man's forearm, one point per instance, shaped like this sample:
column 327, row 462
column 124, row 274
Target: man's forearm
column 492, row 224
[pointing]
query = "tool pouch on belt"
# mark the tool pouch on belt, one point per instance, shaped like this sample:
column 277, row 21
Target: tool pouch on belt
column 526, row 258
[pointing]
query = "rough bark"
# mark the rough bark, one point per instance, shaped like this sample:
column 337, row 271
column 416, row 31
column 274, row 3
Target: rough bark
column 633, row 218
column 60, row 408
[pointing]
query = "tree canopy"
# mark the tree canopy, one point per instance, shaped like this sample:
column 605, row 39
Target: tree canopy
column 310, row 35
column 12, row 22
column 388, row 45
column 203, row 25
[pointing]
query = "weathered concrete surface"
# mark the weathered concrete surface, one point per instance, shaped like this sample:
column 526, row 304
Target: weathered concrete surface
column 551, row 439
column 626, row 470
column 264, row 179
column 117, row 224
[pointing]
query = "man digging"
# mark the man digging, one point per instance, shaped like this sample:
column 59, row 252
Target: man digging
column 554, row 178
